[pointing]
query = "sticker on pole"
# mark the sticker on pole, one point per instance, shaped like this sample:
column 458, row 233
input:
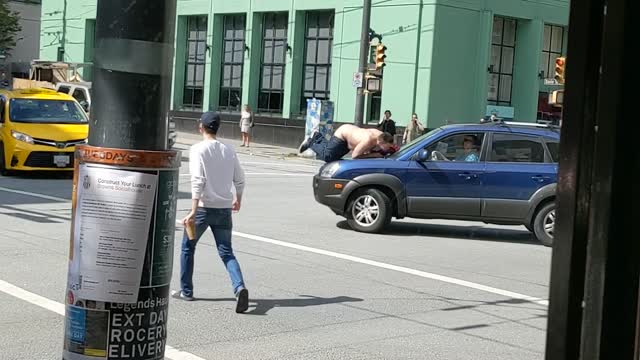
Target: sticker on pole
column 357, row 79
column 113, row 216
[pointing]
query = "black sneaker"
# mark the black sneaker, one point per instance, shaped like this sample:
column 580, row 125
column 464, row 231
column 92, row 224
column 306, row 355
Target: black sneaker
column 181, row 296
column 307, row 143
column 242, row 300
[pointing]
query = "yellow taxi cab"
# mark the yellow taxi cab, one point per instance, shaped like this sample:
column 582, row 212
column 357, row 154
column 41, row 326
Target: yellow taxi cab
column 39, row 129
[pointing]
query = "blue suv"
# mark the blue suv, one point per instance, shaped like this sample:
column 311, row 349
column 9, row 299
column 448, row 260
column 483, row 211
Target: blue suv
column 499, row 173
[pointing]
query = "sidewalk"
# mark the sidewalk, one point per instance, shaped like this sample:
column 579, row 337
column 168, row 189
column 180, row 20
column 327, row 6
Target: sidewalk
column 185, row 140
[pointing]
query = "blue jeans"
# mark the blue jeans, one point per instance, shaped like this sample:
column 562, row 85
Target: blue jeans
column 219, row 220
column 329, row 150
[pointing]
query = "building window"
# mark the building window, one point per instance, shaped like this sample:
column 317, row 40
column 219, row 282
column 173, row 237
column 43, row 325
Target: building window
column 503, row 46
column 375, row 105
column 317, row 61
column 552, row 45
column 193, row 93
column 232, row 63
column 274, row 51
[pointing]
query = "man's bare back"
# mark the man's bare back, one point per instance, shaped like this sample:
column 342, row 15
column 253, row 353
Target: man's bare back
column 362, row 143
column 355, row 136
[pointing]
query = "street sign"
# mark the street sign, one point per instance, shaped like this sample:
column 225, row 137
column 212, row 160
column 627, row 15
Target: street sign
column 551, row 82
column 503, row 112
column 357, row 79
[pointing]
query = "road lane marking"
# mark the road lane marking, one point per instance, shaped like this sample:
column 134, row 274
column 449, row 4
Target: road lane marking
column 30, row 297
column 58, row 308
column 402, row 269
column 279, row 164
column 175, row 354
column 270, row 174
column 280, row 174
column 378, row 264
column 47, row 197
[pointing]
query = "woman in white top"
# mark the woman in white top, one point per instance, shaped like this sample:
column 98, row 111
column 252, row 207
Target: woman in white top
column 246, row 123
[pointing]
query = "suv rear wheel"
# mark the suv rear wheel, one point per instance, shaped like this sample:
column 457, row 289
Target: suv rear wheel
column 369, row 211
column 544, row 224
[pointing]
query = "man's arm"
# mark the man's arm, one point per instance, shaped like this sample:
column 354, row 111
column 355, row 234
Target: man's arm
column 198, row 181
column 362, row 149
column 196, row 170
column 371, row 155
column 238, row 182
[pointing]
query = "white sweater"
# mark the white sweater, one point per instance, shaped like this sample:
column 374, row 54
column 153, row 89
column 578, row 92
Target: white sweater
column 215, row 170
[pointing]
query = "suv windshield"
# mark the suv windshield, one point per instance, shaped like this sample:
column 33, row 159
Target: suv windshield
column 46, row 111
column 412, row 145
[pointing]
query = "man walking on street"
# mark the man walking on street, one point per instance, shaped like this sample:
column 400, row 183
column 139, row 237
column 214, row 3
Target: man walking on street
column 214, row 169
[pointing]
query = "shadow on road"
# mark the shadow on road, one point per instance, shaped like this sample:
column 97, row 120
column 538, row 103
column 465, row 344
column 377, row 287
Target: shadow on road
column 456, row 231
column 262, row 306
column 33, row 215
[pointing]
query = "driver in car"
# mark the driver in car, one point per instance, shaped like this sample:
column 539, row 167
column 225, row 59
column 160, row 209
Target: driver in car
column 470, row 149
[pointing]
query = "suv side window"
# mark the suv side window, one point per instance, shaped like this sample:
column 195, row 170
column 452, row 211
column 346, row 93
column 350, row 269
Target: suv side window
column 516, row 148
column 554, row 148
column 64, row 89
column 79, row 95
column 458, row 147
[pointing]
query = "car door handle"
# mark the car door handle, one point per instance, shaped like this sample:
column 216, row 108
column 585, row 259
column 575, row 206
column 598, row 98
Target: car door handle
column 540, row 178
column 468, row 176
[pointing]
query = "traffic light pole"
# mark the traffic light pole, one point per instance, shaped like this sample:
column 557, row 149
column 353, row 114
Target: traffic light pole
column 364, row 56
column 125, row 190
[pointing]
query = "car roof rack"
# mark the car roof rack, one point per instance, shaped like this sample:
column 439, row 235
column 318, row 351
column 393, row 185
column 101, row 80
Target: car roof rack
column 524, row 124
column 518, row 123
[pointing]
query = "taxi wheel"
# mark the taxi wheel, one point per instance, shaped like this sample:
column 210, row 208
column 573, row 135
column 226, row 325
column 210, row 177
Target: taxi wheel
column 3, row 165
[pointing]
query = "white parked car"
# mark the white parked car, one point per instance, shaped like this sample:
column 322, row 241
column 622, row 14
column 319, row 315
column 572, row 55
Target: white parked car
column 81, row 91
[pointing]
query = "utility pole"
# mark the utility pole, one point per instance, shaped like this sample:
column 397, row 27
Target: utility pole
column 63, row 39
column 364, row 59
column 125, row 190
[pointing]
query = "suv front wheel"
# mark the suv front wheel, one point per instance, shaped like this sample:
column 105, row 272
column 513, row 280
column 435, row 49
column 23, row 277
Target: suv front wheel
column 544, row 224
column 369, row 211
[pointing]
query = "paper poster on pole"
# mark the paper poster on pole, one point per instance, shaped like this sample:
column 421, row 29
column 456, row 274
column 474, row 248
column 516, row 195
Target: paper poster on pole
column 113, row 213
column 319, row 117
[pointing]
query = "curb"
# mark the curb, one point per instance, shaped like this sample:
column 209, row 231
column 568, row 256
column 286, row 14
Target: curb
column 292, row 156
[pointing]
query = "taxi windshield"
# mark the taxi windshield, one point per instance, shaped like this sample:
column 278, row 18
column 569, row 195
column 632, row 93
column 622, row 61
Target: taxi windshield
column 46, row 111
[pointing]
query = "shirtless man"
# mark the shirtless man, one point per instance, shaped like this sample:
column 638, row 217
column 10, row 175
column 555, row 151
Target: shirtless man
column 363, row 143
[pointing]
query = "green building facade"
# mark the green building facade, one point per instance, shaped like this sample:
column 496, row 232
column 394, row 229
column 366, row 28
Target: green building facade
column 447, row 60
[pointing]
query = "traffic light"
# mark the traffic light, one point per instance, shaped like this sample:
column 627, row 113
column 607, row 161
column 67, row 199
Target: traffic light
column 380, row 56
column 559, row 73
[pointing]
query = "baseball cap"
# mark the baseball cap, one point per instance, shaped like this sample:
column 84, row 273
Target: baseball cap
column 210, row 120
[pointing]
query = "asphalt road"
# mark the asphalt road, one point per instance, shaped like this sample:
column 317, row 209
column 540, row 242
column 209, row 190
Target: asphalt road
column 424, row 290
